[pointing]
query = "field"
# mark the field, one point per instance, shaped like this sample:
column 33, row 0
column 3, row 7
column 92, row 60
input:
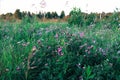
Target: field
column 59, row 51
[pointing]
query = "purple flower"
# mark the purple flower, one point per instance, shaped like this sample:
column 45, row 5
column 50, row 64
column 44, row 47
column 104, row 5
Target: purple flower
column 88, row 52
column 90, row 47
column 38, row 41
column 18, row 68
column 59, row 50
column 81, row 34
column 56, row 36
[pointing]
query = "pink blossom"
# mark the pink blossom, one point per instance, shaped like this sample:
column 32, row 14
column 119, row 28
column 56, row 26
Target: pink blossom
column 89, row 47
column 59, row 51
column 56, row 36
column 18, row 68
column 81, row 34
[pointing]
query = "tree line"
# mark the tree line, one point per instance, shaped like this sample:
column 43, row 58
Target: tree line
column 20, row 15
column 92, row 17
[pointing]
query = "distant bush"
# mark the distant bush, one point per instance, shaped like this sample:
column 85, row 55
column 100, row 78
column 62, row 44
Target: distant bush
column 90, row 19
column 76, row 17
column 115, row 18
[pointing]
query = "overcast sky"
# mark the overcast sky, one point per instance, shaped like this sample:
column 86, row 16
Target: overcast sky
column 59, row 5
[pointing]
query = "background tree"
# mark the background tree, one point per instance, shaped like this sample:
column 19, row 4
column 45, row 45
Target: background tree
column 54, row 15
column 9, row 16
column 3, row 16
column 48, row 15
column 29, row 14
column 76, row 17
column 90, row 18
column 62, row 15
column 23, row 14
column 18, row 14
column 40, row 15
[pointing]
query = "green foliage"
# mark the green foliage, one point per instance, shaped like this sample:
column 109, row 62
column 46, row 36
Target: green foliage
column 87, row 74
column 115, row 19
column 76, row 17
column 90, row 19
column 31, row 50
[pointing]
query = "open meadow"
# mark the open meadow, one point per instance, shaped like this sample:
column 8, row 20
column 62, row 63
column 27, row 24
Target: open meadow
column 59, row 51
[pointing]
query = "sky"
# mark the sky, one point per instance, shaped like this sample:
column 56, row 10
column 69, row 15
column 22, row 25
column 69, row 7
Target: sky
column 59, row 5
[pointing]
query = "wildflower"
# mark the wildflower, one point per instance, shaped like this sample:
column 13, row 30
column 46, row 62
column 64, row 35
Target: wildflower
column 18, row 68
column 48, row 47
column 38, row 41
column 82, row 34
column 46, row 64
column 90, row 47
column 56, row 36
column 59, row 51
column 88, row 52
column 100, row 49
column 104, row 53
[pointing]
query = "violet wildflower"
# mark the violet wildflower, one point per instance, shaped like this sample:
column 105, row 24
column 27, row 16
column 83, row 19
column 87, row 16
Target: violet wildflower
column 59, row 51
column 56, row 36
column 18, row 68
column 90, row 47
column 46, row 64
column 81, row 34
column 88, row 52
column 38, row 41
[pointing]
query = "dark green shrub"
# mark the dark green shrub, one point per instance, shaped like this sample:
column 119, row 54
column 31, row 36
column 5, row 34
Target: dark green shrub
column 76, row 17
column 90, row 19
column 115, row 19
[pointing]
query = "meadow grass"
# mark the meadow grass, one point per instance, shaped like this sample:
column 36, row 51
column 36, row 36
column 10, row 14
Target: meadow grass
column 58, row 51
